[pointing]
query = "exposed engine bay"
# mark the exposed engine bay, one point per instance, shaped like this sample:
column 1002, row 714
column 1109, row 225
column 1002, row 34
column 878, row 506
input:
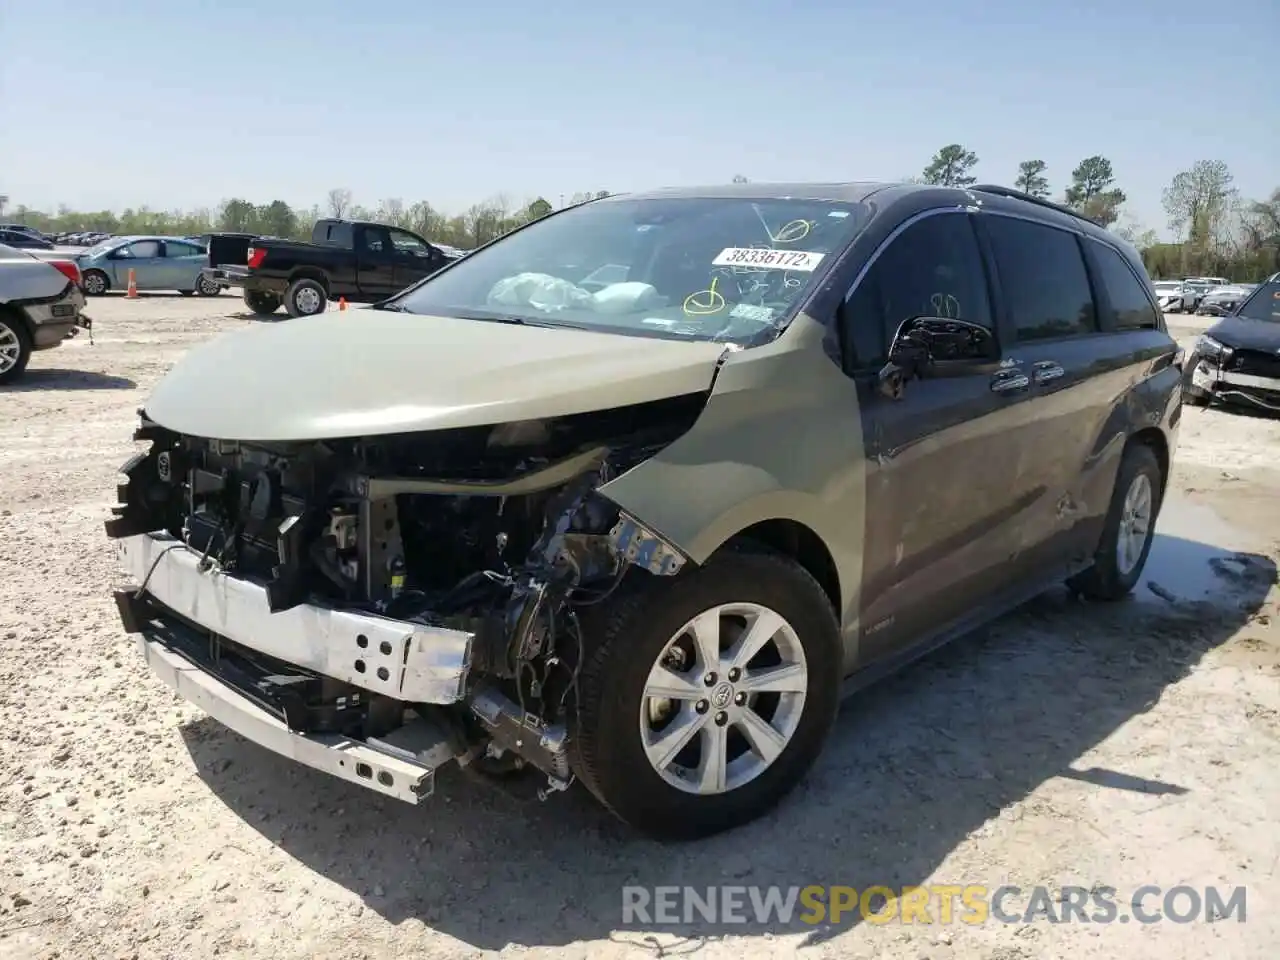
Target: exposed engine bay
column 498, row 531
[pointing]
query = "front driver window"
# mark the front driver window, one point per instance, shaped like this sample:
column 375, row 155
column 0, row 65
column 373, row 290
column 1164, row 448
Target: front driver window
column 408, row 243
column 932, row 269
column 143, row 249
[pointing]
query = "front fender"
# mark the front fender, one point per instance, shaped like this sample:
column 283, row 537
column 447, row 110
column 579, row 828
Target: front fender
column 780, row 439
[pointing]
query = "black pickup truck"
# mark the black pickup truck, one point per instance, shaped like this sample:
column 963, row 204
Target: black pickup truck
column 356, row 260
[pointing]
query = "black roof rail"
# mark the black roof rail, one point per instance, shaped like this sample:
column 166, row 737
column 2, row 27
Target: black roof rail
column 999, row 191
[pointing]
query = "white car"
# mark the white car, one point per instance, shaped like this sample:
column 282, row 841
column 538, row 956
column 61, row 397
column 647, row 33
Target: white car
column 1174, row 296
column 40, row 306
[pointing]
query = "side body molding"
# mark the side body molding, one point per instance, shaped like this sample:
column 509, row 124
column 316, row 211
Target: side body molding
column 780, row 439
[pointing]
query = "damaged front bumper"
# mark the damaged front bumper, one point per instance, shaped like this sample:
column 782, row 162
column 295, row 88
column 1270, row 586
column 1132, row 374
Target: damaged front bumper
column 182, row 615
column 1236, row 376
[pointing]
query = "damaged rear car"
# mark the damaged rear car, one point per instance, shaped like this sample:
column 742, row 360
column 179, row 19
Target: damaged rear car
column 625, row 495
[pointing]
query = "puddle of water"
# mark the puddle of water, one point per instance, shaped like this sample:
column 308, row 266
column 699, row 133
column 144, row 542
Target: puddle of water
column 1196, row 557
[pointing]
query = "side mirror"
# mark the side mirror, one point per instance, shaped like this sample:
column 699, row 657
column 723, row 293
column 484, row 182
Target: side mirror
column 934, row 346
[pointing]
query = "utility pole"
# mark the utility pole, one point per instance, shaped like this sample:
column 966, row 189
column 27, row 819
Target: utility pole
column 4, row 200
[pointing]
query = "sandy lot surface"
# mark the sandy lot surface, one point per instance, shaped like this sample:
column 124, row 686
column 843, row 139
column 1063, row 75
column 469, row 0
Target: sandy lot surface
column 1067, row 744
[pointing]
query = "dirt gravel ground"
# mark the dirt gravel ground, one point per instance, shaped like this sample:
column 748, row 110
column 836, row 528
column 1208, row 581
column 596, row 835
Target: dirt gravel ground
column 1067, row 744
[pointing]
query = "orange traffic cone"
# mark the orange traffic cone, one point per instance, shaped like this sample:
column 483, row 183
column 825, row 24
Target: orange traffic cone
column 133, row 285
column 342, row 303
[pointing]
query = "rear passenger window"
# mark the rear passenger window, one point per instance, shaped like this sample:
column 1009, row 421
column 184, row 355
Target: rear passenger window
column 932, row 269
column 145, row 249
column 1128, row 296
column 1042, row 274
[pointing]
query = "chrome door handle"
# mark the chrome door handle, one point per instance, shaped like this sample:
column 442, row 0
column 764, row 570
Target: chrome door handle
column 1046, row 370
column 1010, row 380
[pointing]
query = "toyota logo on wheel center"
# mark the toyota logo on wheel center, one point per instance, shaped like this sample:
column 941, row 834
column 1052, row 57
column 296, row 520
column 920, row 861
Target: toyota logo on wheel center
column 722, row 695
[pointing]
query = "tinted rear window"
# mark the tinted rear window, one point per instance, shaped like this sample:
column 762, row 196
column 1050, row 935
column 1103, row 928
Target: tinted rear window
column 1128, row 295
column 1043, row 276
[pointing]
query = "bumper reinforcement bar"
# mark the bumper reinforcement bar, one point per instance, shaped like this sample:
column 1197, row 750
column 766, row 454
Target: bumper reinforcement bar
column 399, row 776
column 406, row 661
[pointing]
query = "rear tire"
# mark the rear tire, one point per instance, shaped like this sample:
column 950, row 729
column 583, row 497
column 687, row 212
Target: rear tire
column 95, row 283
column 1115, row 570
column 207, row 288
column 15, row 349
column 631, row 636
column 263, row 304
column 305, row 298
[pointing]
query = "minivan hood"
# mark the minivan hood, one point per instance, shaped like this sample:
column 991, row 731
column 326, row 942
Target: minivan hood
column 371, row 372
column 1242, row 333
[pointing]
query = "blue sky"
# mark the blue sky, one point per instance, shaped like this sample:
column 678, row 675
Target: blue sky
column 182, row 103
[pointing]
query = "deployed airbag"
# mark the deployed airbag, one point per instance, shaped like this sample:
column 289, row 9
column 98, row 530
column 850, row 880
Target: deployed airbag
column 545, row 292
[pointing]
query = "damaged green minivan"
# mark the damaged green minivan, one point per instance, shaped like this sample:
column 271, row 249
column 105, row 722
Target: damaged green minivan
column 632, row 494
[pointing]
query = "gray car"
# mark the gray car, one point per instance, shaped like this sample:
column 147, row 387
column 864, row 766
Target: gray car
column 156, row 263
column 634, row 493
column 40, row 307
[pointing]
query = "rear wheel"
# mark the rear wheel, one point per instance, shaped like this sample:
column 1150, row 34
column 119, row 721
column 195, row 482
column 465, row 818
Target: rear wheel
column 15, row 349
column 206, row 287
column 95, row 283
column 1129, row 528
column 305, row 298
column 706, row 698
column 263, row 304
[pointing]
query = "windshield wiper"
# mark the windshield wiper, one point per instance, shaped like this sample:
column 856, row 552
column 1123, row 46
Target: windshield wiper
column 493, row 316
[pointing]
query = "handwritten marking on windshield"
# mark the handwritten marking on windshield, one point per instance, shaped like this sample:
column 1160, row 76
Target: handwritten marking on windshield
column 791, row 232
column 705, row 302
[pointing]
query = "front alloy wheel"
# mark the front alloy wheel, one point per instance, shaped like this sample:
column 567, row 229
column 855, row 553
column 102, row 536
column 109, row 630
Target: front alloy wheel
column 704, row 698
column 709, row 722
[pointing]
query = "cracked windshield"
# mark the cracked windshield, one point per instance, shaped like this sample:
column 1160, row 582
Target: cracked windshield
column 704, row 269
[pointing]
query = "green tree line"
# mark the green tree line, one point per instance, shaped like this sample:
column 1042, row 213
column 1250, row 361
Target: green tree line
column 1218, row 232
column 478, row 224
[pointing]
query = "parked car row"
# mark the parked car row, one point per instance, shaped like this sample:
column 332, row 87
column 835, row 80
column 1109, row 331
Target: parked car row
column 1221, row 301
column 1204, row 295
column 80, row 238
column 23, row 237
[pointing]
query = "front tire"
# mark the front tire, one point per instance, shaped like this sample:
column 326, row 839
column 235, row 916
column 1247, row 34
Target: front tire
column 706, row 698
column 95, row 283
column 15, row 349
column 305, row 298
column 1129, row 528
